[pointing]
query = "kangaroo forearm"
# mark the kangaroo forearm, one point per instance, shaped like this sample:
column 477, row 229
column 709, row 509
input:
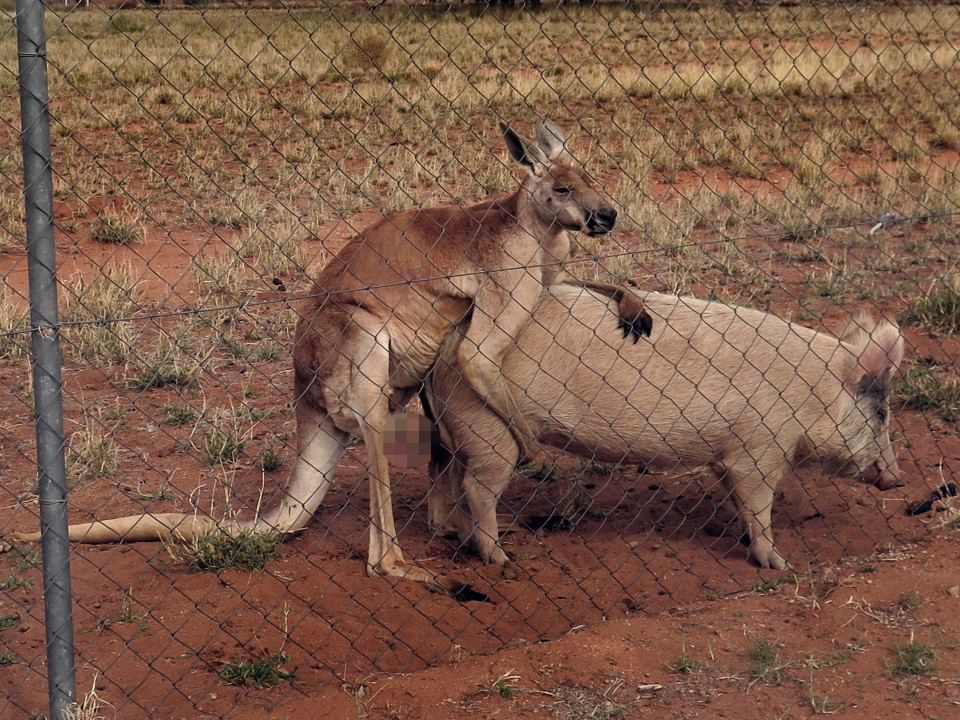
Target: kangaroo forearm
column 614, row 292
column 634, row 319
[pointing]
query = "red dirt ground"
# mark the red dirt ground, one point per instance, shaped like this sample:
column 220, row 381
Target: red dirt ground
column 600, row 620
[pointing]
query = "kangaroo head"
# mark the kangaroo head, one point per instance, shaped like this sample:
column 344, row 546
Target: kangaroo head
column 559, row 192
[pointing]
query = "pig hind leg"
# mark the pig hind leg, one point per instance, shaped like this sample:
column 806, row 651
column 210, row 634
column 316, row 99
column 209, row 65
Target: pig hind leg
column 446, row 489
column 487, row 455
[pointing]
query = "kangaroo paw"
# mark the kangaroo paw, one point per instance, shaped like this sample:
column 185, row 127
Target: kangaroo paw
column 634, row 319
column 394, row 566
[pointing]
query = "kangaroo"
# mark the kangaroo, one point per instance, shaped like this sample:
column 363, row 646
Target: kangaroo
column 378, row 314
column 741, row 391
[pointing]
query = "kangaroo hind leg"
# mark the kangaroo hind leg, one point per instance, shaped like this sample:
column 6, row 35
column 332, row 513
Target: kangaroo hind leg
column 362, row 396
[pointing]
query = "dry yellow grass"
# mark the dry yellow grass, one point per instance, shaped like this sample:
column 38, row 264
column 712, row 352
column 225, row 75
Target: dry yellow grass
column 218, row 114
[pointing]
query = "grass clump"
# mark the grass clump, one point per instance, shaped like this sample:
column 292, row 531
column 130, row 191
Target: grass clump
column 267, row 352
column 541, row 472
column 9, row 621
column 245, row 209
column 686, row 664
column 223, row 444
column 275, row 248
column 13, row 582
column 503, row 686
column 101, row 309
column 269, row 458
column 911, row 658
column 88, row 708
column 266, row 672
column 157, row 377
column 91, row 453
column 765, row 663
column 774, row 585
column 939, row 308
column 7, row 659
column 25, row 562
column 217, row 549
column 178, row 415
column 223, row 275
column 129, row 613
column 116, row 229
column 173, row 360
column 909, row 601
column 923, row 388
column 13, row 336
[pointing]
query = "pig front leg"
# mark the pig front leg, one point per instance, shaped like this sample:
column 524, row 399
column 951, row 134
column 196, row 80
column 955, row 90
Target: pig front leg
column 752, row 491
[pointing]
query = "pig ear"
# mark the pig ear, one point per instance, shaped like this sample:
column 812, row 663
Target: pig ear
column 878, row 348
column 882, row 350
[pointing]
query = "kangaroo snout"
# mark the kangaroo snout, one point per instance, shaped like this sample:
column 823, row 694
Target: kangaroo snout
column 601, row 221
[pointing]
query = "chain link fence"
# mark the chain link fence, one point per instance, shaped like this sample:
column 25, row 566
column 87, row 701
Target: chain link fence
column 210, row 158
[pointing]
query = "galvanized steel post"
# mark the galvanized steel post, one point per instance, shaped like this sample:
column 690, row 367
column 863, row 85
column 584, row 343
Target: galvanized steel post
column 47, row 392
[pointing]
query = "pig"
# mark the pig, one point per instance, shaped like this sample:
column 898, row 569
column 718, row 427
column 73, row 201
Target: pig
column 744, row 392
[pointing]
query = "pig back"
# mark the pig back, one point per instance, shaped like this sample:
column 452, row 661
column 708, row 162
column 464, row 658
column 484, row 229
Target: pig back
column 711, row 378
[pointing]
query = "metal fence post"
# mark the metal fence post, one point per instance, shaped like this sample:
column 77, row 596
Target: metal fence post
column 48, row 399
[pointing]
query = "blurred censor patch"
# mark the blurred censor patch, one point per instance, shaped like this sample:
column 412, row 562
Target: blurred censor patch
column 406, row 440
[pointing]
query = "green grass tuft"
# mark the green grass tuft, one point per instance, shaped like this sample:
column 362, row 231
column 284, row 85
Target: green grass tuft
column 116, row 229
column 7, row 659
column 222, row 446
column 765, row 663
column 13, row 582
column 269, row 458
column 939, row 308
column 9, row 621
column 263, row 672
column 686, row 664
column 923, row 388
column 911, row 658
column 157, row 377
column 178, row 415
column 217, row 550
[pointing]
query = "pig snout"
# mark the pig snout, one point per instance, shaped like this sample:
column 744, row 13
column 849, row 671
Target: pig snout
column 882, row 475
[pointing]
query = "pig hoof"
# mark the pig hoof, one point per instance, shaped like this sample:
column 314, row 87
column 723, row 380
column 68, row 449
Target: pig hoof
column 496, row 557
column 511, row 571
column 769, row 559
column 776, row 562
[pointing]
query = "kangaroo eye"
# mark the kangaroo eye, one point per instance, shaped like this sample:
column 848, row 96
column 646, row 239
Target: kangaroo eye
column 562, row 190
column 882, row 414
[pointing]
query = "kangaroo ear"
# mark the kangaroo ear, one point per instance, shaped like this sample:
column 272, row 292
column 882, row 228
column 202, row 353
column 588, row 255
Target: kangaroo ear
column 552, row 140
column 526, row 153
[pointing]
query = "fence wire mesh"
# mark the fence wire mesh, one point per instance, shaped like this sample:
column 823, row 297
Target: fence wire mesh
column 209, row 159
